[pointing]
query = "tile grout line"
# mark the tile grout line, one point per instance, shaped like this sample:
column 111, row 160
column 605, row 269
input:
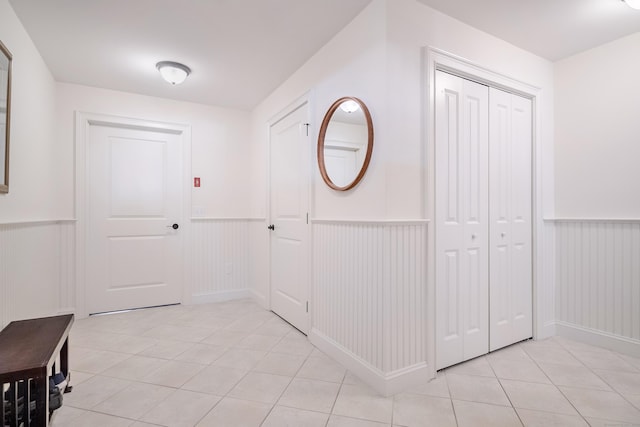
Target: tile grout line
column 558, row 387
column 140, row 381
column 453, row 408
column 344, row 376
column 614, row 389
column 288, row 384
column 393, row 407
column 244, row 376
column 505, row 391
column 238, row 382
column 89, row 332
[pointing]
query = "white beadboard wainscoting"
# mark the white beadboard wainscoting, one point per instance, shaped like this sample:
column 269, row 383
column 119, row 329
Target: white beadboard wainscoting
column 37, row 269
column 369, row 299
column 544, row 291
column 38, row 265
column 221, row 258
column 598, row 282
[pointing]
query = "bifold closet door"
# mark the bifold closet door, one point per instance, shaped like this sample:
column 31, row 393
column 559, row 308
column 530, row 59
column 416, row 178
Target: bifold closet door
column 511, row 275
column 461, row 216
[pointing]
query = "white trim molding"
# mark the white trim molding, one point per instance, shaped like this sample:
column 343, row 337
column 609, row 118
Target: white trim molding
column 604, row 220
column 599, row 338
column 370, row 221
column 221, row 296
column 385, row 383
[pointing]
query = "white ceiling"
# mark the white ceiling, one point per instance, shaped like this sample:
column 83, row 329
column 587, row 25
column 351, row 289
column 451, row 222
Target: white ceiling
column 241, row 50
column 552, row 29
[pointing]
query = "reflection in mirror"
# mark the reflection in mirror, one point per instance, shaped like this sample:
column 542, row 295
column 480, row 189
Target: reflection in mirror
column 345, row 143
column 5, row 101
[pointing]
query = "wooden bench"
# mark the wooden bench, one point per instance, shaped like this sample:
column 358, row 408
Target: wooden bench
column 28, row 351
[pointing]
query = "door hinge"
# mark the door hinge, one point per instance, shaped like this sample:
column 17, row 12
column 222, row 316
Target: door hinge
column 306, row 125
column 307, row 217
column 307, row 306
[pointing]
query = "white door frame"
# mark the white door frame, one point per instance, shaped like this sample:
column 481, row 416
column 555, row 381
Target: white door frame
column 299, row 102
column 82, row 122
column 437, row 59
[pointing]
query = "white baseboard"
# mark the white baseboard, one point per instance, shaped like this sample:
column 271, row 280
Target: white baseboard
column 598, row 338
column 547, row 330
column 220, row 296
column 387, row 384
column 260, row 299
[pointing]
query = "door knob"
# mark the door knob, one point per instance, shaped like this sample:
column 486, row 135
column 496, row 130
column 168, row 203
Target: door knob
column 473, row 237
column 174, row 226
column 271, row 227
column 503, row 234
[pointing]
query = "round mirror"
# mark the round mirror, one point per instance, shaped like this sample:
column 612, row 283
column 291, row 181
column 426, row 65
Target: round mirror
column 345, row 143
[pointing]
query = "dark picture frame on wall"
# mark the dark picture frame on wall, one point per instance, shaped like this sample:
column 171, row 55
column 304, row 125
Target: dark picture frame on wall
column 5, row 115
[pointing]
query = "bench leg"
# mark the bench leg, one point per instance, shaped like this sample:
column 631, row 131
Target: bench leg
column 41, row 386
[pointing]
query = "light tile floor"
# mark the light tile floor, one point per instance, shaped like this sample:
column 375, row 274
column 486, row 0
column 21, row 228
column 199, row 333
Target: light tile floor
column 235, row 364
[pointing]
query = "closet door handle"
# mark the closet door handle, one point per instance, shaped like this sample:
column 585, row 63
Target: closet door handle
column 473, row 237
column 271, row 227
column 503, row 234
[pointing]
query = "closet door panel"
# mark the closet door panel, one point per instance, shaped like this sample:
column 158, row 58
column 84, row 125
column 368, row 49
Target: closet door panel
column 449, row 226
column 510, row 192
column 461, row 219
column 475, row 239
column 522, row 227
column 499, row 214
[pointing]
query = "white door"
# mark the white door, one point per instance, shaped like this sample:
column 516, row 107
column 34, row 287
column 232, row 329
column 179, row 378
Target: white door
column 134, row 255
column 511, row 274
column 289, row 201
column 461, row 217
column 341, row 165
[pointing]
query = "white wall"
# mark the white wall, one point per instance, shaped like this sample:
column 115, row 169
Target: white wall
column 33, row 255
column 352, row 63
column 35, row 184
column 412, row 26
column 217, row 245
column 378, row 58
column 598, row 132
column 37, row 263
column 36, row 270
column 598, row 184
column 219, row 146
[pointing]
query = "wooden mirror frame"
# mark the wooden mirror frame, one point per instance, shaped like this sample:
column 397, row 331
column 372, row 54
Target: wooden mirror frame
column 4, row 180
column 323, row 132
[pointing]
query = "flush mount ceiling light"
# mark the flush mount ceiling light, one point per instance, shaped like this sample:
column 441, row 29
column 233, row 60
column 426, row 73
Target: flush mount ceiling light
column 173, row 72
column 349, row 106
column 633, row 4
